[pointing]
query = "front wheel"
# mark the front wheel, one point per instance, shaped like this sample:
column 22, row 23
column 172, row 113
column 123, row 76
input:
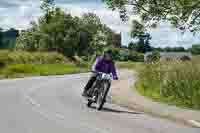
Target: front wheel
column 89, row 103
column 102, row 95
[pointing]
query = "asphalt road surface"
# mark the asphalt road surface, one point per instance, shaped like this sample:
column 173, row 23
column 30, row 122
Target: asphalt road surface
column 53, row 105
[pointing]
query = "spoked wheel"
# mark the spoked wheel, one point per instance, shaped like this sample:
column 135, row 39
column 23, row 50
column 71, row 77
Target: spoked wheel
column 102, row 95
column 90, row 92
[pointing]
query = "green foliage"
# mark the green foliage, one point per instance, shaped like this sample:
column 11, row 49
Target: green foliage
column 47, row 5
column 132, row 46
column 127, row 55
column 66, row 34
column 143, row 44
column 130, row 65
column 136, row 56
column 137, row 29
column 60, row 34
column 1, row 38
column 183, row 14
column 195, row 49
column 22, row 57
column 155, row 56
column 174, row 49
column 99, row 35
column 3, row 58
column 173, row 82
column 21, row 70
column 123, row 55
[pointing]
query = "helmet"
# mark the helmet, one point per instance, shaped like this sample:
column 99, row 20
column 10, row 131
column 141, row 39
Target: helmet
column 108, row 53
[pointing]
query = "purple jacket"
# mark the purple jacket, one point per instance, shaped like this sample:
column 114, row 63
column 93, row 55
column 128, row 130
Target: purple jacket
column 101, row 65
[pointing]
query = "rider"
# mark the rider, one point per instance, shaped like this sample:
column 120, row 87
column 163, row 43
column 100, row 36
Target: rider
column 103, row 64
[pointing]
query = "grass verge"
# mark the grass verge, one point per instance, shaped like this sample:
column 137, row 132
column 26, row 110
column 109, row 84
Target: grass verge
column 175, row 83
column 23, row 70
column 157, row 97
column 130, row 65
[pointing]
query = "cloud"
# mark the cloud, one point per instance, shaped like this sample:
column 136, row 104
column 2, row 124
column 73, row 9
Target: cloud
column 20, row 15
column 107, row 16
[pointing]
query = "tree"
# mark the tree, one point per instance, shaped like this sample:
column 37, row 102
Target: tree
column 138, row 32
column 66, row 34
column 143, row 44
column 183, row 14
column 90, row 24
column 195, row 49
column 137, row 29
column 142, row 47
column 47, row 6
column 132, row 46
column 1, row 38
column 99, row 35
column 60, row 34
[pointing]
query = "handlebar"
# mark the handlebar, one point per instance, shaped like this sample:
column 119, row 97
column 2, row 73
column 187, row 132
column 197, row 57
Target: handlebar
column 97, row 72
column 103, row 73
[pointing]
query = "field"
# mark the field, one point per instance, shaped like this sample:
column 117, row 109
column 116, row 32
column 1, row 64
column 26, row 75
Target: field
column 172, row 82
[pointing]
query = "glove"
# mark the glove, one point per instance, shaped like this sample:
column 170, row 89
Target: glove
column 115, row 78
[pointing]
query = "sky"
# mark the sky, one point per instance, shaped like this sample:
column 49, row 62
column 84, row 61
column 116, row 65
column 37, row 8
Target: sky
column 19, row 14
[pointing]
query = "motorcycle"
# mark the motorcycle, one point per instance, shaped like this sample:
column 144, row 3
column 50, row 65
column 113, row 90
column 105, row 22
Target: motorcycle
column 99, row 90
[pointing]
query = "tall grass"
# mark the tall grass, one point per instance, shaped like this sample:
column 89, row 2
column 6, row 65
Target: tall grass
column 130, row 65
column 22, row 63
column 22, row 70
column 23, row 57
column 174, row 82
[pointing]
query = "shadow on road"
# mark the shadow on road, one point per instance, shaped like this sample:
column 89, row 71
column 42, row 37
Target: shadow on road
column 106, row 109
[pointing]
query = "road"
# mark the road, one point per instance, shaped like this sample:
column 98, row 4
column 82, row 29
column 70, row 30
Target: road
column 53, row 105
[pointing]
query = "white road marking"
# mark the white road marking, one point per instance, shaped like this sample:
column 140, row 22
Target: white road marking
column 36, row 104
column 33, row 102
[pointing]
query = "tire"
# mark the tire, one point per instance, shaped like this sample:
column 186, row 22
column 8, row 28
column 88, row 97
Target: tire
column 101, row 99
column 89, row 103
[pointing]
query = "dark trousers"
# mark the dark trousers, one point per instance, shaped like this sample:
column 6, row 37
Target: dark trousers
column 90, row 83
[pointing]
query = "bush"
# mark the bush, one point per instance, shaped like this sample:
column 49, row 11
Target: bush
column 21, row 70
column 130, row 65
column 116, row 53
column 135, row 56
column 176, row 82
column 155, row 56
column 3, row 58
column 124, row 55
column 23, row 57
column 127, row 55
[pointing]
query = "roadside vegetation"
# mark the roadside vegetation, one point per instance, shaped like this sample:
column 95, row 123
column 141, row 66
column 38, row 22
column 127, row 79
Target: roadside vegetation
column 23, row 70
column 172, row 82
column 21, row 63
column 58, row 43
column 24, row 57
column 130, row 65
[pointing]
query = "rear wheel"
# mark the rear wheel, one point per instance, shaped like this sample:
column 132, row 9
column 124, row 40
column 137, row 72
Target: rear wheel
column 102, row 95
